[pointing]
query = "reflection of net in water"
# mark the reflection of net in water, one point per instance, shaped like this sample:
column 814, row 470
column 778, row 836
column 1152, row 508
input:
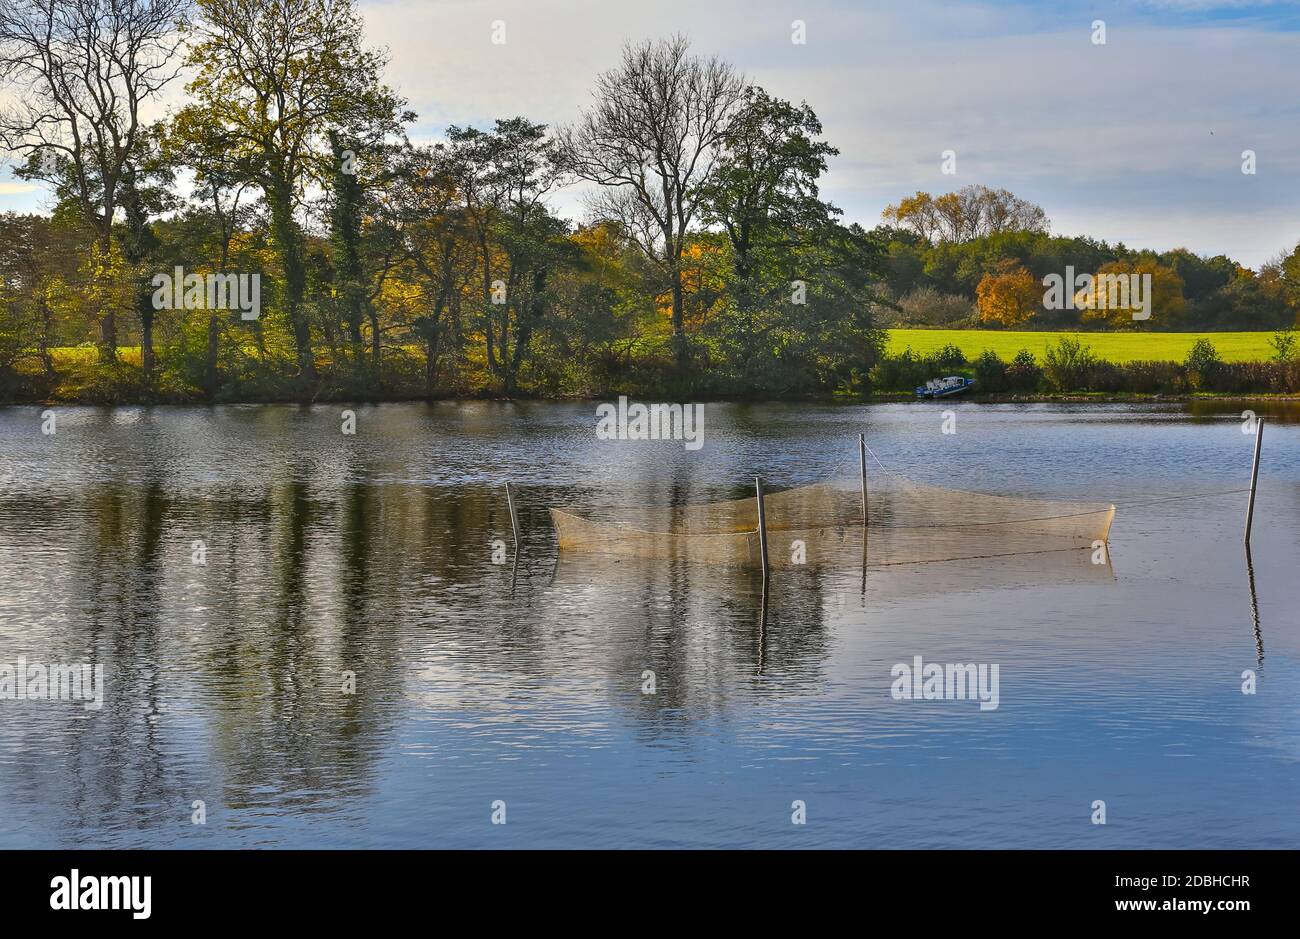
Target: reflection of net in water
column 907, row 522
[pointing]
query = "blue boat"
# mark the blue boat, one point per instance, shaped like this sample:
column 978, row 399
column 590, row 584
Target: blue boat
column 945, row 387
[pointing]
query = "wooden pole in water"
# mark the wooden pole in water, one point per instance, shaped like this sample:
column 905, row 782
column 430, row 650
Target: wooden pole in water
column 514, row 517
column 762, row 525
column 1254, row 477
column 862, row 465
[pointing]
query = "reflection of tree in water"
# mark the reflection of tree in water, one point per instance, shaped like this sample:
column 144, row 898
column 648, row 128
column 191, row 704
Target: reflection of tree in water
column 299, row 611
column 116, row 757
column 111, row 766
column 602, row 621
column 237, row 665
column 702, row 630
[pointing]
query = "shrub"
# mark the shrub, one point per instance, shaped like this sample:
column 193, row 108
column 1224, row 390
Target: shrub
column 1151, row 378
column 897, row 372
column 1068, row 365
column 1203, row 355
column 990, row 372
column 1203, row 364
column 950, row 356
column 926, row 306
column 1105, row 376
column 1024, row 373
column 908, row 370
column 1284, row 345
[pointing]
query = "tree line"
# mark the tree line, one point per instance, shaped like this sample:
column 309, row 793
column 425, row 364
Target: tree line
column 978, row 258
column 708, row 262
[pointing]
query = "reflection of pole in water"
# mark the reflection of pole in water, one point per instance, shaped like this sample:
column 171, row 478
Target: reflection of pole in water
column 762, row 628
column 864, row 567
column 1254, row 607
column 514, row 516
column 862, row 469
column 1254, row 477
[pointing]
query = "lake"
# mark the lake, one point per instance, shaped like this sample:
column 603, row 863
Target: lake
column 306, row 642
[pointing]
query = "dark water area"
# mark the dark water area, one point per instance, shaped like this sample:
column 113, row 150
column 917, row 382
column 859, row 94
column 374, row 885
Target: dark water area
column 479, row 682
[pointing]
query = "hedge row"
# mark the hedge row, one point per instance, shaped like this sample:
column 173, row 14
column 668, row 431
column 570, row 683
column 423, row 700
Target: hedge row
column 1072, row 367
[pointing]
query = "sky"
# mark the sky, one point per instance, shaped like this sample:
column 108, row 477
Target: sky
column 1138, row 140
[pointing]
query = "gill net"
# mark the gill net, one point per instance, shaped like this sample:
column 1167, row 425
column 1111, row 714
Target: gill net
column 906, row 522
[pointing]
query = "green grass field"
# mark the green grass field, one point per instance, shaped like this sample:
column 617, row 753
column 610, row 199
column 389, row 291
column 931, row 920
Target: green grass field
column 1115, row 347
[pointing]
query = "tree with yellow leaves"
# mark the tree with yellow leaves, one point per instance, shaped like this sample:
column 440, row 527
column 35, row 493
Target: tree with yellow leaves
column 1008, row 295
column 1132, row 294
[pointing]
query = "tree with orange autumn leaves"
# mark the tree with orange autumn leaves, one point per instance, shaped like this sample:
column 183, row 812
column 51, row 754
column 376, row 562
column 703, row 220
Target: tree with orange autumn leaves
column 1008, row 296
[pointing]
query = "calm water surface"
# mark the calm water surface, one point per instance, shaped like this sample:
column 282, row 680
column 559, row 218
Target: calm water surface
column 477, row 682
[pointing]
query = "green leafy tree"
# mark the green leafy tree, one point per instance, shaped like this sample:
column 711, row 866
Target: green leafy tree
column 763, row 194
column 273, row 77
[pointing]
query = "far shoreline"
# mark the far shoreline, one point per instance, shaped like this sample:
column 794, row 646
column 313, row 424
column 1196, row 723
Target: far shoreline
column 884, row 397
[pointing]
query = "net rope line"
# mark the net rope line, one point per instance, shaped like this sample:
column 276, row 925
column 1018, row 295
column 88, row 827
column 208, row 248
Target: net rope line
column 980, row 557
column 876, row 458
column 1190, row 495
column 959, row 526
column 1123, row 503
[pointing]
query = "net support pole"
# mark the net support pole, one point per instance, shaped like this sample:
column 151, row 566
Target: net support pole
column 514, row 517
column 762, row 525
column 1254, row 477
column 862, row 466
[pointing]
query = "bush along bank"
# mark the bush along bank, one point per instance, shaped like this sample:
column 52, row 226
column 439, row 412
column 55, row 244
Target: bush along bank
column 1071, row 367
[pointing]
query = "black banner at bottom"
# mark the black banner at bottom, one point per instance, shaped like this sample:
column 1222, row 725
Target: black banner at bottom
column 144, row 889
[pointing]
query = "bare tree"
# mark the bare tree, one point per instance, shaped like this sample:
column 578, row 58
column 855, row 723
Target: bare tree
column 80, row 71
column 652, row 139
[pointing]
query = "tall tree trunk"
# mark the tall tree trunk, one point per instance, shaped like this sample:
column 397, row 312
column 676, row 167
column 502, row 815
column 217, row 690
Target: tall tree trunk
column 107, row 316
column 284, row 230
column 524, row 327
column 431, row 343
column 489, row 328
column 144, row 303
column 372, row 312
column 210, row 364
column 147, row 358
column 44, row 343
column 680, row 352
column 107, row 338
column 490, row 337
column 503, row 352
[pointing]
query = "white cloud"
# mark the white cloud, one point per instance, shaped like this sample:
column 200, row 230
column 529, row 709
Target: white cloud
column 13, row 189
column 1145, row 131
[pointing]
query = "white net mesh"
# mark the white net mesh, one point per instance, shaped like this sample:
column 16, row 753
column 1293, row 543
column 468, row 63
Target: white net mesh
column 822, row 524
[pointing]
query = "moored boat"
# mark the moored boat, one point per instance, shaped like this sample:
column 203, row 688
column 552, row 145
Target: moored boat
column 945, row 387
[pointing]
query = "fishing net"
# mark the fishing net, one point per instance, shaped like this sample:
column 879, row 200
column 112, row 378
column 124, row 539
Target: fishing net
column 821, row 524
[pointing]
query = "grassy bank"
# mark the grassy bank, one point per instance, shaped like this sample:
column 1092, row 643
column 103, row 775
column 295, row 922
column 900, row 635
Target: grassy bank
column 1113, row 347
column 1103, row 364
